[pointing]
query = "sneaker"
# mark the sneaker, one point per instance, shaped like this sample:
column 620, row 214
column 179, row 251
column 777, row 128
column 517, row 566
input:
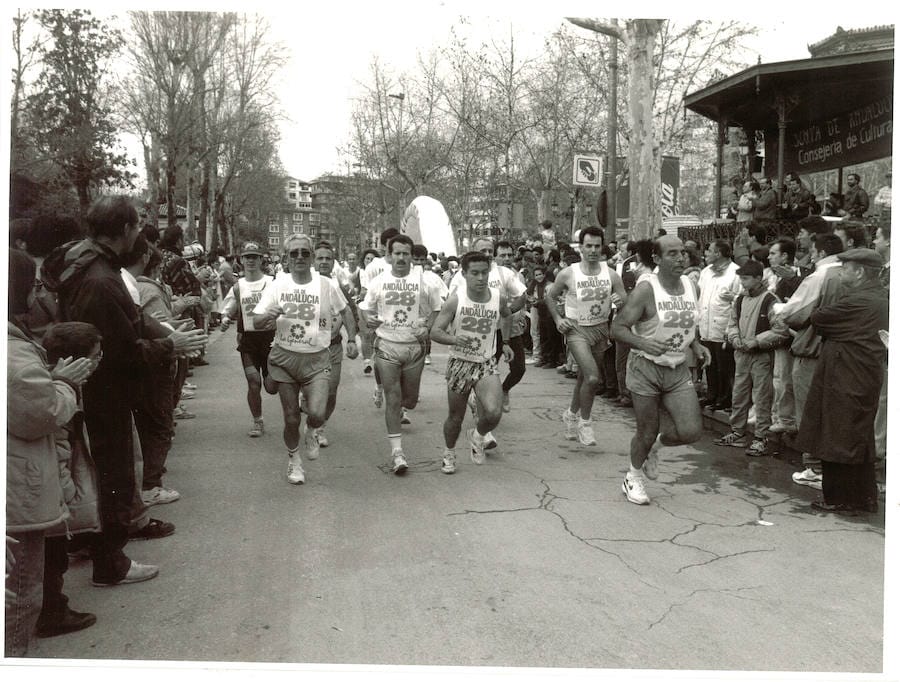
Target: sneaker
column 586, row 433
column 562, row 369
column 506, row 402
column 651, row 464
column 448, row 464
column 758, row 448
column 367, row 369
column 808, row 477
column 489, row 441
column 159, row 495
column 257, row 429
column 378, row 396
column 154, row 530
column 137, row 573
column 476, row 445
column 181, row 413
column 399, row 465
column 321, row 437
column 781, row 427
column 633, row 487
column 295, row 473
column 187, row 395
column 189, row 386
column 427, row 359
column 404, row 416
column 311, row 444
column 570, row 419
column 733, row 439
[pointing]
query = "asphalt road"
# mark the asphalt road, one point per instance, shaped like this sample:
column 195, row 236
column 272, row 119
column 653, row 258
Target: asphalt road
column 534, row 559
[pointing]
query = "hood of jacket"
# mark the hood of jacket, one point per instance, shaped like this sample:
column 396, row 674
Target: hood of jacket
column 66, row 265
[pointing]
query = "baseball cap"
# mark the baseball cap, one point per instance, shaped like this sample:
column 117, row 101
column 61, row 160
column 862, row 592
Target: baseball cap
column 251, row 249
column 752, row 268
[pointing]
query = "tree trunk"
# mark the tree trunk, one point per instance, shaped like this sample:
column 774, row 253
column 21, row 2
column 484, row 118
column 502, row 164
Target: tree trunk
column 645, row 210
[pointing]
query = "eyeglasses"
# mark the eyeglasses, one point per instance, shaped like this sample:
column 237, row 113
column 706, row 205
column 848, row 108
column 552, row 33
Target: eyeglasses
column 300, row 253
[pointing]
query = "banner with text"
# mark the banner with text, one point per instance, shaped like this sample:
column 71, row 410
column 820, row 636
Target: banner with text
column 861, row 134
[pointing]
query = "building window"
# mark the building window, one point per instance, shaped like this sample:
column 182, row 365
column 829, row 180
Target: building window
column 292, row 195
column 274, row 241
column 274, row 227
column 292, row 185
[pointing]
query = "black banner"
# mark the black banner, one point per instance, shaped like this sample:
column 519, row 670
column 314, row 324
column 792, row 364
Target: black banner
column 862, row 134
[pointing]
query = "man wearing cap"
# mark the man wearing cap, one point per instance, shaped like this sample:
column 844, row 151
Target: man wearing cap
column 301, row 305
column 839, row 416
column 253, row 343
column 754, row 332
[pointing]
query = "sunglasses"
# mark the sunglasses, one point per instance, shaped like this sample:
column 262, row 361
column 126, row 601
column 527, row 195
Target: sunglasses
column 300, row 253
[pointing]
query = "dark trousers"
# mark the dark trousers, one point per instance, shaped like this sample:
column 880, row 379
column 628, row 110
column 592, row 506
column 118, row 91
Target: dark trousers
column 516, row 365
column 56, row 563
column 720, row 373
column 552, row 351
column 852, row 485
column 107, row 415
column 181, row 370
column 153, row 418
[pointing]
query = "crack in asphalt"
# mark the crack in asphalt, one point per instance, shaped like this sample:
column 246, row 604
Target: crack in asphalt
column 730, row 591
column 718, row 557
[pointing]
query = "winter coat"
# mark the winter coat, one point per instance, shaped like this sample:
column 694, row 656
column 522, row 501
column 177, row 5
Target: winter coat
column 37, row 406
column 751, row 318
column 838, row 423
column 714, row 310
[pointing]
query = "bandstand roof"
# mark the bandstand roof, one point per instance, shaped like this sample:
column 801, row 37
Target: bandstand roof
column 823, row 87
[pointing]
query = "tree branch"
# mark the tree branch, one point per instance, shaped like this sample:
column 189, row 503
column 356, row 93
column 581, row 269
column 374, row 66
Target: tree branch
column 598, row 27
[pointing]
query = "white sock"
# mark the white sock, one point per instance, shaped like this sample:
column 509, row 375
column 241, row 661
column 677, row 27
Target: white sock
column 583, row 421
column 634, row 472
column 295, row 451
column 657, row 444
column 449, row 452
column 394, row 440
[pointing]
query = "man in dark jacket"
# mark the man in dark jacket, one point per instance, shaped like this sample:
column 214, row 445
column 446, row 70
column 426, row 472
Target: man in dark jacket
column 765, row 205
column 856, row 200
column 90, row 288
column 839, row 417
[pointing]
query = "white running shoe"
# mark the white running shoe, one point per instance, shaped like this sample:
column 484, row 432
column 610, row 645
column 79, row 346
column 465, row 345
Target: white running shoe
column 257, row 429
column 427, row 359
column 378, row 396
column 651, row 464
column 448, row 464
column 476, row 445
column 311, row 444
column 295, row 473
column 321, row 437
column 808, row 477
column 404, row 416
column 489, row 441
column 633, row 487
column 570, row 420
column 399, row 465
column 586, row 433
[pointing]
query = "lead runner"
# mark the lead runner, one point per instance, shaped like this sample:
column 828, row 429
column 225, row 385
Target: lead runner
column 659, row 321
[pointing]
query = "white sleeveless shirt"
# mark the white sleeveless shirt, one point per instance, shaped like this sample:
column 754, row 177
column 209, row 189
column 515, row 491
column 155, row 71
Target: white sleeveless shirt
column 477, row 322
column 675, row 322
column 588, row 300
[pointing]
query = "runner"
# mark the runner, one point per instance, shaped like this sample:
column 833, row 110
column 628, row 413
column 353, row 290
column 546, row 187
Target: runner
column 301, row 305
column 504, row 258
column 366, row 335
column 475, row 313
column 591, row 288
column 401, row 306
column 507, row 283
column 659, row 321
column 253, row 343
column 325, row 265
column 373, row 268
column 420, row 260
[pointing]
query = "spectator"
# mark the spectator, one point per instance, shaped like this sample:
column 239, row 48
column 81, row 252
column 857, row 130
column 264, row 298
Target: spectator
column 46, row 399
column 719, row 284
column 749, row 193
column 838, row 420
column 882, row 201
column 833, row 205
column 91, row 289
column 808, row 227
column 786, row 280
column 856, row 200
column 798, row 201
column 754, row 333
column 765, row 205
column 852, row 234
column 819, row 288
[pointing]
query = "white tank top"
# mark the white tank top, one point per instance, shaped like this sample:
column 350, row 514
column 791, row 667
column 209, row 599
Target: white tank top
column 249, row 294
column 675, row 322
column 477, row 322
column 399, row 306
column 588, row 301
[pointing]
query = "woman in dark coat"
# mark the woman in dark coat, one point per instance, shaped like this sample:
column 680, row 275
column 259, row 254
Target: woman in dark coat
column 839, row 417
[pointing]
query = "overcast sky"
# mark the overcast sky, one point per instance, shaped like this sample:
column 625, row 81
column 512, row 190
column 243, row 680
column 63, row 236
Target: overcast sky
column 332, row 47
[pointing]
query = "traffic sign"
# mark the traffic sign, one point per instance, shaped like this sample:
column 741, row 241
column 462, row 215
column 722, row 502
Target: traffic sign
column 587, row 170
